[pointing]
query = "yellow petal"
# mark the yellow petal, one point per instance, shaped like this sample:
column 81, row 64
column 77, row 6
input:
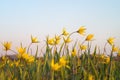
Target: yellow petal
column 111, row 40
column 90, row 37
column 82, row 30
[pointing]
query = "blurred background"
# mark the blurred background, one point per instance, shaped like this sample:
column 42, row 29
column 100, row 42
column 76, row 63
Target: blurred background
column 19, row 19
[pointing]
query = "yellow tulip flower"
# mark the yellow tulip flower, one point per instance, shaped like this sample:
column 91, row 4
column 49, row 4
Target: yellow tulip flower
column 30, row 59
column 89, row 37
column 57, row 39
column 83, row 47
column 63, row 61
column 21, row 50
column 64, row 32
column 114, row 49
column 25, row 56
column 90, row 77
column 74, row 52
column 55, row 66
column 82, row 30
column 34, row 39
column 51, row 41
column 16, row 63
column 67, row 40
column 7, row 45
column 111, row 40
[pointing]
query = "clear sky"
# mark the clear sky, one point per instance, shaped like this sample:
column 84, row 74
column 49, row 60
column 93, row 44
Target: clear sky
column 21, row 18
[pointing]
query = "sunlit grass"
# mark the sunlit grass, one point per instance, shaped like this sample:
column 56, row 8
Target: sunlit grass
column 59, row 62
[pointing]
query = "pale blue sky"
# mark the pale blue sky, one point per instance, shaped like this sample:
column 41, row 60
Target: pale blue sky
column 21, row 18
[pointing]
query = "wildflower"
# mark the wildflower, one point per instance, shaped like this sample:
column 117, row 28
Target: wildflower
column 21, row 50
column 67, row 40
column 64, row 32
column 51, row 41
column 63, row 62
column 28, row 57
column 89, row 37
column 83, row 47
column 55, row 66
column 106, row 60
column 57, row 39
column 111, row 40
column 7, row 45
column 17, row 63
column 25, row 56
column 31, row 59
column 74, row 52
column 82, row 30
column 114, row 49
column 90, row 77
column 34, row 39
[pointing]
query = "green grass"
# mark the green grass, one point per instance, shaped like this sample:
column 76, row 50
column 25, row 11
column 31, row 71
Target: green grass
column 82, row 65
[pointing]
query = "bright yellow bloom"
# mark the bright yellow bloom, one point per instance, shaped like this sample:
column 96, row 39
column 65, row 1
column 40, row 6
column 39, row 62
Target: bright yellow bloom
column 34, row 39
column 51, row 41
column 25, row 56
column 83, row 47
column 111, row 40
column 64, row 32
column 82, row 30
column 7, row 45
column 114, row 49
column 28, row 57
column 21, row 50
column 74, row 52
column 67, row 40
column 103, row 58
column 31, row 59
column 89, row 37
column 90, row 77
column 63, row 61
column 57, row 39
column 17, row 63
column 55, row 66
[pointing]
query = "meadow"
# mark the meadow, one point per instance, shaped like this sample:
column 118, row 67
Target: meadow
column 59, row 62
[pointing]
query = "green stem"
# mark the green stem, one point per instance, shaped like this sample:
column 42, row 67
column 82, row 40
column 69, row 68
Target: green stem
column 110, row 66
column 29, row 47
column 52, row 75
